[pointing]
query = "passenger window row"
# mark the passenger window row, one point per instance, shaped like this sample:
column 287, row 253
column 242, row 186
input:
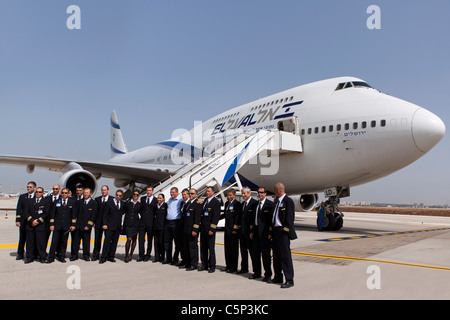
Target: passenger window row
column 345, row 127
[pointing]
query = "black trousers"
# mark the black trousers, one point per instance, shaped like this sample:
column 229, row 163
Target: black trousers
column 59, row 244
column 142, row 232
column 159, row 245
column 22, row 238
column 208, row 249
column 77, row 236
column 244, row 241
column 36, row 241
column 110, row 243
column 190, row 250
column 282, row 258
column 261, row 246
column 98, row 234
column 231, row 250
column 172, row 234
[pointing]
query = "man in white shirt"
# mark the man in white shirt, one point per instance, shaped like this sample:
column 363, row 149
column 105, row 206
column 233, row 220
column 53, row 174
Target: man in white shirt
column 283, row 233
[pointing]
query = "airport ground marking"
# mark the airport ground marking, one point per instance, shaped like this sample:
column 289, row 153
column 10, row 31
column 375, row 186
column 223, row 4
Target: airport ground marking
column 382, row 235
column 398, row 263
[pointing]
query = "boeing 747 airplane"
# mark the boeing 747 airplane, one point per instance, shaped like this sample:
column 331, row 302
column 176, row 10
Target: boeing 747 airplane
column 342, row 133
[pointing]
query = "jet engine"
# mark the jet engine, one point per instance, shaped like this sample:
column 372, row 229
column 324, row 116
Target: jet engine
column 78, row 177
column 305, row 202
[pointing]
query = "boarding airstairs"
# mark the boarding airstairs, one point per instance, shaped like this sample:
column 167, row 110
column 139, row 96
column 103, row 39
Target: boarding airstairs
column 219, row 167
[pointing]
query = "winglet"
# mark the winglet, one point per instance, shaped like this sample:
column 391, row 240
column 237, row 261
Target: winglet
column 118, row 146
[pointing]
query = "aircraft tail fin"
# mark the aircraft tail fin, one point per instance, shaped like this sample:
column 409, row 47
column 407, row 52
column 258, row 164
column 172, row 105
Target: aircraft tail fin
column 118, row 146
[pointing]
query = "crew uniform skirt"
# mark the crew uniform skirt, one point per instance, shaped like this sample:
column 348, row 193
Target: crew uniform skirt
column 131, row 231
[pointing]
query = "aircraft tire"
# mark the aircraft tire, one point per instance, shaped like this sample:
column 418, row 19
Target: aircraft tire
column 339, row 221
column 330, row 222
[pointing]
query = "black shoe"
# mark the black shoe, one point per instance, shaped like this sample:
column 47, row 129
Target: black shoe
column 19, row 257
column 73, row 258
column 276, row 281
column 242, row 271
column 266, row 279
column 255, row 276
column 212, row 270
column 191, row 268
column 27, row 261
column 50, row 260
column 166, row 262
column 86, row 258
column 140, row 259
column 232, row 270
column 287, row 284
column 102, row 261
column 202, row 268
column 111, row 260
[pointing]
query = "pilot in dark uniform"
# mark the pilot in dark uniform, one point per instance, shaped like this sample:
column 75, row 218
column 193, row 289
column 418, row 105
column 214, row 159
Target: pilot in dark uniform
column 191, row 225
column 112, row 224
column 87, row 212
column 283, row 233
column 36, row 217
column 248, row 205
column 210, row 218
column 233, row 209
column 52, row 198
column 21, row 222
column 261, row 235
column 147, row 221
column 63, row 218
column 103, row 207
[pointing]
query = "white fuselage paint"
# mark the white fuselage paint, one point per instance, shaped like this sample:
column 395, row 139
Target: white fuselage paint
column 384, row 135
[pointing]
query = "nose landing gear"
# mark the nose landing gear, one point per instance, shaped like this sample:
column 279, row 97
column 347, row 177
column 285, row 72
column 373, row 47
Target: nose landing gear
column 334, row 219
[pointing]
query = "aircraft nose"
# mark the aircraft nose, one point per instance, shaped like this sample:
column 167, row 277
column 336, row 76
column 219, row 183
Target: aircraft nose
column 427, row 129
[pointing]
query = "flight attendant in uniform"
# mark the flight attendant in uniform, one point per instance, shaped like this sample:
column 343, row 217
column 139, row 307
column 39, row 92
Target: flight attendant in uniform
column 131, row 224
column 63, row 218
column 160, row 217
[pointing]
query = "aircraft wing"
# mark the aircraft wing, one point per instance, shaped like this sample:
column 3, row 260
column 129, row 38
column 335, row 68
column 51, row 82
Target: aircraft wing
column 141, row 173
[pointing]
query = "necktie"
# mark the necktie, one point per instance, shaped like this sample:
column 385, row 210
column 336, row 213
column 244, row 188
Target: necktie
column 258, row 213
column 64, row 202
column 275, row 214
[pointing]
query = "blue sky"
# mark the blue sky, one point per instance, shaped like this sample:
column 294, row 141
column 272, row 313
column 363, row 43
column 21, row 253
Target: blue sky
column 164, row 64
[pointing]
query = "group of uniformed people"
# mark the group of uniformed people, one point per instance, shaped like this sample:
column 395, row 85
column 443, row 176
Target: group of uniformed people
column 252, row 227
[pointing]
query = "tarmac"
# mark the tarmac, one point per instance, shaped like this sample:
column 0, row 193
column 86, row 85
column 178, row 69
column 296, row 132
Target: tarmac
column 373, row 257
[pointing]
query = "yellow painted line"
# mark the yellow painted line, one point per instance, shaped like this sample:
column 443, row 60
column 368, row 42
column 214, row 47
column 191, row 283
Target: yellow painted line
column 314, row 255
column 405, row 264
column 12, row 246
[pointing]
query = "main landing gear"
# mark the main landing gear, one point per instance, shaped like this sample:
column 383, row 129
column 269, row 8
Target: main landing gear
column 334, row 219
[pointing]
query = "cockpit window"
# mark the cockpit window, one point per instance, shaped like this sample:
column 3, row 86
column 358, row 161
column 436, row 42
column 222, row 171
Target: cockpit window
column 356, row 84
